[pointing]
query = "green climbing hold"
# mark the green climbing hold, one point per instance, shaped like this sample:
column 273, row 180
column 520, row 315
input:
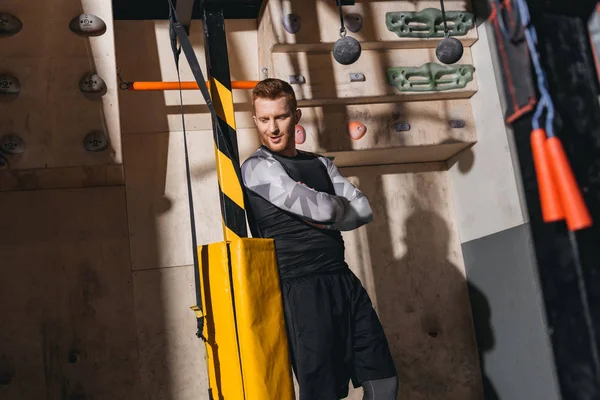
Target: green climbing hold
column 428, row 23
column 430, row 77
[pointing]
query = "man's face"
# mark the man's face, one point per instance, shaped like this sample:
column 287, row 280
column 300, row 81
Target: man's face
column 276, row 123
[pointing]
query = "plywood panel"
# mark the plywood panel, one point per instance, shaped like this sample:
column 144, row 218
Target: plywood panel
column 160, row 111
column 67, row 316
column 410, row 261
column 327, row 126
column 61, row 178
column 172, row 358
column 320, row 24
column 51, row 114
column 329, row 82
column 157, row 197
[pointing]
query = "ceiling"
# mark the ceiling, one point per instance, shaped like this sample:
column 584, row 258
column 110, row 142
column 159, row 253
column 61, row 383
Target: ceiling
column 159, row 9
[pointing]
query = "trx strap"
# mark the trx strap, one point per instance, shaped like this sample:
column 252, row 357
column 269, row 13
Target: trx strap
column 178, row 31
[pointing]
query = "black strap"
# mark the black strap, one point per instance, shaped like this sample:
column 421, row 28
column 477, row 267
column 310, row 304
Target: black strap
column 176, row 30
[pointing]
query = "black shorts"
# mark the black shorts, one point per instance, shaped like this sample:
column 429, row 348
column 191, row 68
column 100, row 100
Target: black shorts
column 335, row 335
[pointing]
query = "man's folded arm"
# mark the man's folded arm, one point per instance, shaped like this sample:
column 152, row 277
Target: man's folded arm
column 268, row 179
column 358, row 210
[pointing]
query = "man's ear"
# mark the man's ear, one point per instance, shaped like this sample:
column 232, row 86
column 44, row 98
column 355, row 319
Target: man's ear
column 254, row 119
column 298, row 115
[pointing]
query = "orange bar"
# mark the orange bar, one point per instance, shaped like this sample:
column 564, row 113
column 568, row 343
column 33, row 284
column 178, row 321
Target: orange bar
column 145, row 86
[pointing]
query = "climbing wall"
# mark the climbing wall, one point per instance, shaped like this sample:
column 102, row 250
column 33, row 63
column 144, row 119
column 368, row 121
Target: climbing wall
column 68, row 324
column 413, row 113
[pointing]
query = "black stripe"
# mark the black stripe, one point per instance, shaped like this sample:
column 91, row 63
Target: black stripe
column 233, row 215
column 216, row 46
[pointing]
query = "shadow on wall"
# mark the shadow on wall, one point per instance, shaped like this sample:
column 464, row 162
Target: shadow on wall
column 417, row 282
column 146, row 155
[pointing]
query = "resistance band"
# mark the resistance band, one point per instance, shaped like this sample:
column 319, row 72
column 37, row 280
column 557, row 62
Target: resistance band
column 559, row 193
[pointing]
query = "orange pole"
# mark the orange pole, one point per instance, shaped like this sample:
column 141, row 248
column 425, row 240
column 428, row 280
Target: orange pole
column 146, row 86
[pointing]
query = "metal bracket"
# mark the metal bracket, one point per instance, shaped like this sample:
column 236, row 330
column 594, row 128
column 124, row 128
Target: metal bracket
column 9, row 25
column 357, row 77
column 12, row 144
column 9, row 85
column 428, row 23
column 87, row 25
column 296, row 79
column 430, row 77
column 265, row 72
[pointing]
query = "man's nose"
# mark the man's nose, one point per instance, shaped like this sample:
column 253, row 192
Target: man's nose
column 273, row 127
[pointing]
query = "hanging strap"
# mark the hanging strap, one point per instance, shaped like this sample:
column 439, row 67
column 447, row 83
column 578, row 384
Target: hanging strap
column 177, row 31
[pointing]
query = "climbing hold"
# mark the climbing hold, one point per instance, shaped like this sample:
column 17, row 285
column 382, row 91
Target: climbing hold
column 428, row 23
column 457, row 123
column 430, row 77
column 353, row 22
column 291, row 23
column 402, row 126
column 356, row 130
column 300, row 134
column 346, row 50
column 357, row 77
column 9, row 25
column 92, row 83
column 449, row 50
column 12, row 144
column 9, row 85
column 296, row 79
column 95, row 141
column 87, row 25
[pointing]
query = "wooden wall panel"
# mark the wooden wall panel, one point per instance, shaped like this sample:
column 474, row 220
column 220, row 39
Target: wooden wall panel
column 410, row 261
column 172, row 358
column 329, row 82
column 68, row 324
column 160, row 111
column 158, row 210
column 320, row 24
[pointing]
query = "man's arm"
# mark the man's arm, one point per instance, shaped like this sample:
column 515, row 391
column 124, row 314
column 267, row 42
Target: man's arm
column 266, row 177
column 358, row 211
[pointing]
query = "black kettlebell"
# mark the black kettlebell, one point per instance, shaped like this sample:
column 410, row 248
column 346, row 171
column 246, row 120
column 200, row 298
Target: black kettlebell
column 346, row 50
column 449, row 50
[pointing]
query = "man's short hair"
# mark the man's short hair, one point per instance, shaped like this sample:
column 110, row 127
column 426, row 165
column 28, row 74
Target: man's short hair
column 273, row 89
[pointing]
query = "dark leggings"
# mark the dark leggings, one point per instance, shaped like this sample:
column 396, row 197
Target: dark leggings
column 381, row 389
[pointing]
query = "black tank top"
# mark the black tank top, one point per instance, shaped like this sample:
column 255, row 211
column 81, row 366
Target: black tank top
column 301, row 249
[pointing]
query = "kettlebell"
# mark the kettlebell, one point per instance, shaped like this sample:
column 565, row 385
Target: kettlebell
column 346, row 50
column 449, row 50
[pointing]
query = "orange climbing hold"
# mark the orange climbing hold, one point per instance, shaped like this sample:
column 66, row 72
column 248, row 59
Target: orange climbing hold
column 300, row 134
column 356, row 130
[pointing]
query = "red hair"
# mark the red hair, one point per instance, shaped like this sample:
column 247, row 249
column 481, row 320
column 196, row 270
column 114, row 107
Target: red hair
column 273, row 89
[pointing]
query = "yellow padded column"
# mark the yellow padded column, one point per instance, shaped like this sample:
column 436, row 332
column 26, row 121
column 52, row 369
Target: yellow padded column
column 262, row 334
column 247, row 348
column 222, row 357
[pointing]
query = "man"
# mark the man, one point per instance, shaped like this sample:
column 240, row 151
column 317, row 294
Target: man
column 303, row 202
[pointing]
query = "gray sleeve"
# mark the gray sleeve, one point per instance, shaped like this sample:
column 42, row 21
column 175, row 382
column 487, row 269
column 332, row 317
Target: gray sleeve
column 266, row 177
column 358, row 211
